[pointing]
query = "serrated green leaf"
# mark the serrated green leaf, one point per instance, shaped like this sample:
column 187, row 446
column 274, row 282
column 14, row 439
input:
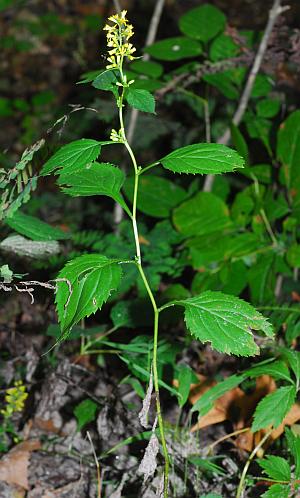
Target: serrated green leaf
column 288, row 149
column 94, row 179
column 272, row 409
column 277, row 491
column 275, row 467
column 225, row 321
column 85, row 412
column 277, row 369
column 106, row 81
column 34, row 229
column 174, row 49
column 73, row 155
column 203, row 214
column 141, row 100
column 92, row 278
column 203, row 159
column 206, row 402
column 157, row 196
column 202, row 23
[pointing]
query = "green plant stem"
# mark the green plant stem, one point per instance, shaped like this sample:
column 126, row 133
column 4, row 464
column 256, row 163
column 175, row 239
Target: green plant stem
column 146, row 168
column 137, row 172
column 245, row 470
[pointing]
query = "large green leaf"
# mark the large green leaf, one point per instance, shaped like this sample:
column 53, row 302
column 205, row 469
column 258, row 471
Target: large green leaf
column 206, row 402
column 204, row 159
column 203, row 214
column 34, row 229
column 275, row 467
column 73, row 155
column 225, row 321
column 173, row 49
column 157, row 196
column 272, row 409
column 288, row 149
column 141, row 100
column 202, row 23
column 87, row 283
column 95, row 179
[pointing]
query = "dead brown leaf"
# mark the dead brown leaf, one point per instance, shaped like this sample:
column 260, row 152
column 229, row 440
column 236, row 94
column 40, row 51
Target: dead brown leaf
column 221, row 409
column 238, row 407
column 14, row 465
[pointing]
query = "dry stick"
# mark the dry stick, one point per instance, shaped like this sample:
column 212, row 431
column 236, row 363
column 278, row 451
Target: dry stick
column 275, row 11
column 151, row 35
column 97, row 465
column 227, row 436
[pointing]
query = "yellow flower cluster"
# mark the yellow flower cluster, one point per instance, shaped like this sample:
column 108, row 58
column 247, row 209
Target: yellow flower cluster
column 15, row 398
column 117, row 36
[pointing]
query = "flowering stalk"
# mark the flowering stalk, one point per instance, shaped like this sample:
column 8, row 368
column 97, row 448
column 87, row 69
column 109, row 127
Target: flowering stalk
column 118, row 35
column 15, row 398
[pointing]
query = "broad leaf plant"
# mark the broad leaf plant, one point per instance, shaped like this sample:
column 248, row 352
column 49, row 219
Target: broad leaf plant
column 86, row 282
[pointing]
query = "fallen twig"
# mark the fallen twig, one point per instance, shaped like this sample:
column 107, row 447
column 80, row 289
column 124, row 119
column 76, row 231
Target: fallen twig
column 276, row 10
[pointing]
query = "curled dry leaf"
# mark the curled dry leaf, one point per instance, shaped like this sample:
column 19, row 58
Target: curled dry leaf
column 148, row 464
column 14, row 465
column 143, row 415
